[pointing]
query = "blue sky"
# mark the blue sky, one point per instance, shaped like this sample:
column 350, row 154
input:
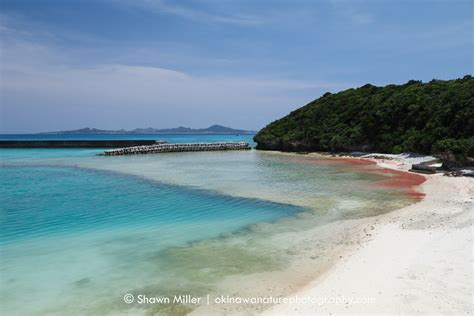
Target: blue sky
column 115, row 64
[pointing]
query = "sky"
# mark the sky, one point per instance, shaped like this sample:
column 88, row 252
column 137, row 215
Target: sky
column 114, row 64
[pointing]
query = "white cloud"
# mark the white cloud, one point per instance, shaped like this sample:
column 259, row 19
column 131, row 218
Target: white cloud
column 36, row 83
column 44, row 87
column 116, row 85
column 351, row 11
column 193, row 14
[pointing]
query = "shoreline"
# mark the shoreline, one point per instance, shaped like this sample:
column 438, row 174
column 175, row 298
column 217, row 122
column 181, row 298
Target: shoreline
column 417, row 259
column 313, row 252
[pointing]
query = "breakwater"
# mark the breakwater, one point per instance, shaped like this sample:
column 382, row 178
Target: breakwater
column 76, row 143
column 167, row 148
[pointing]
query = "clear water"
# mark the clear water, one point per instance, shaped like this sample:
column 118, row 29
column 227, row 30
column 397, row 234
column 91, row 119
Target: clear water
column 79, row 230
column 49, row 201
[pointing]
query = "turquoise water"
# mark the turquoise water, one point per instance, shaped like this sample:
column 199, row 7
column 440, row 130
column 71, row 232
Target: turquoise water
column 78, row 230
column 53, row 201
column 56, row 219
column 172, row 138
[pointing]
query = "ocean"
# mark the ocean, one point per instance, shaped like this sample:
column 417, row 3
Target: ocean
column 78, row 231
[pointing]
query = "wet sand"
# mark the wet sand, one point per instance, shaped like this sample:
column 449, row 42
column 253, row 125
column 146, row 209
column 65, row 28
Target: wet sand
column 315, row 250
column 415, row 260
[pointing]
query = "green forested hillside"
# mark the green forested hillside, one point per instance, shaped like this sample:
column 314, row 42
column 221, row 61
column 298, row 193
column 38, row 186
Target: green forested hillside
column 429, row 118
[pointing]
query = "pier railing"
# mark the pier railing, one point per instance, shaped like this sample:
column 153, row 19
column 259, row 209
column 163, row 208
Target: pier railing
column 185, row 147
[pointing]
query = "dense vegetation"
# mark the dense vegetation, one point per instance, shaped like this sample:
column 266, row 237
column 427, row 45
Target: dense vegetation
column 428, row 118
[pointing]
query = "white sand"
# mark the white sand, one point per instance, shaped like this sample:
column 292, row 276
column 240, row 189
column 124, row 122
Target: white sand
column 418, row 260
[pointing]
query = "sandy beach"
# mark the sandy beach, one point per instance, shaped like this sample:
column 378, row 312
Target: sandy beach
column 416, row 260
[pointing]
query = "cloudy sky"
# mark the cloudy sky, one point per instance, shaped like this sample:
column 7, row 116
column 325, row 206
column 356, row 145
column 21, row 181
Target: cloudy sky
column 115, row 64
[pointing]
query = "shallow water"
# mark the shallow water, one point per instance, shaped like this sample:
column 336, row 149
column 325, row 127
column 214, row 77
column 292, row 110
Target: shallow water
column 76, row 227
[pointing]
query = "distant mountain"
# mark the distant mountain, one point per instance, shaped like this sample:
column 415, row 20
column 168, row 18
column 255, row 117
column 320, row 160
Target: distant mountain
column 214, row 129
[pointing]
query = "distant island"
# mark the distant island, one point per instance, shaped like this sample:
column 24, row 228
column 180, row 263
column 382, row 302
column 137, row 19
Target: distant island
column 427, row 118
column 214, row 129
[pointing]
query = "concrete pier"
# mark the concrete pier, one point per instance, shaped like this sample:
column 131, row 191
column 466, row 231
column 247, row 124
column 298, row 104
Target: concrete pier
column 167, row 148
column 76, row 143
